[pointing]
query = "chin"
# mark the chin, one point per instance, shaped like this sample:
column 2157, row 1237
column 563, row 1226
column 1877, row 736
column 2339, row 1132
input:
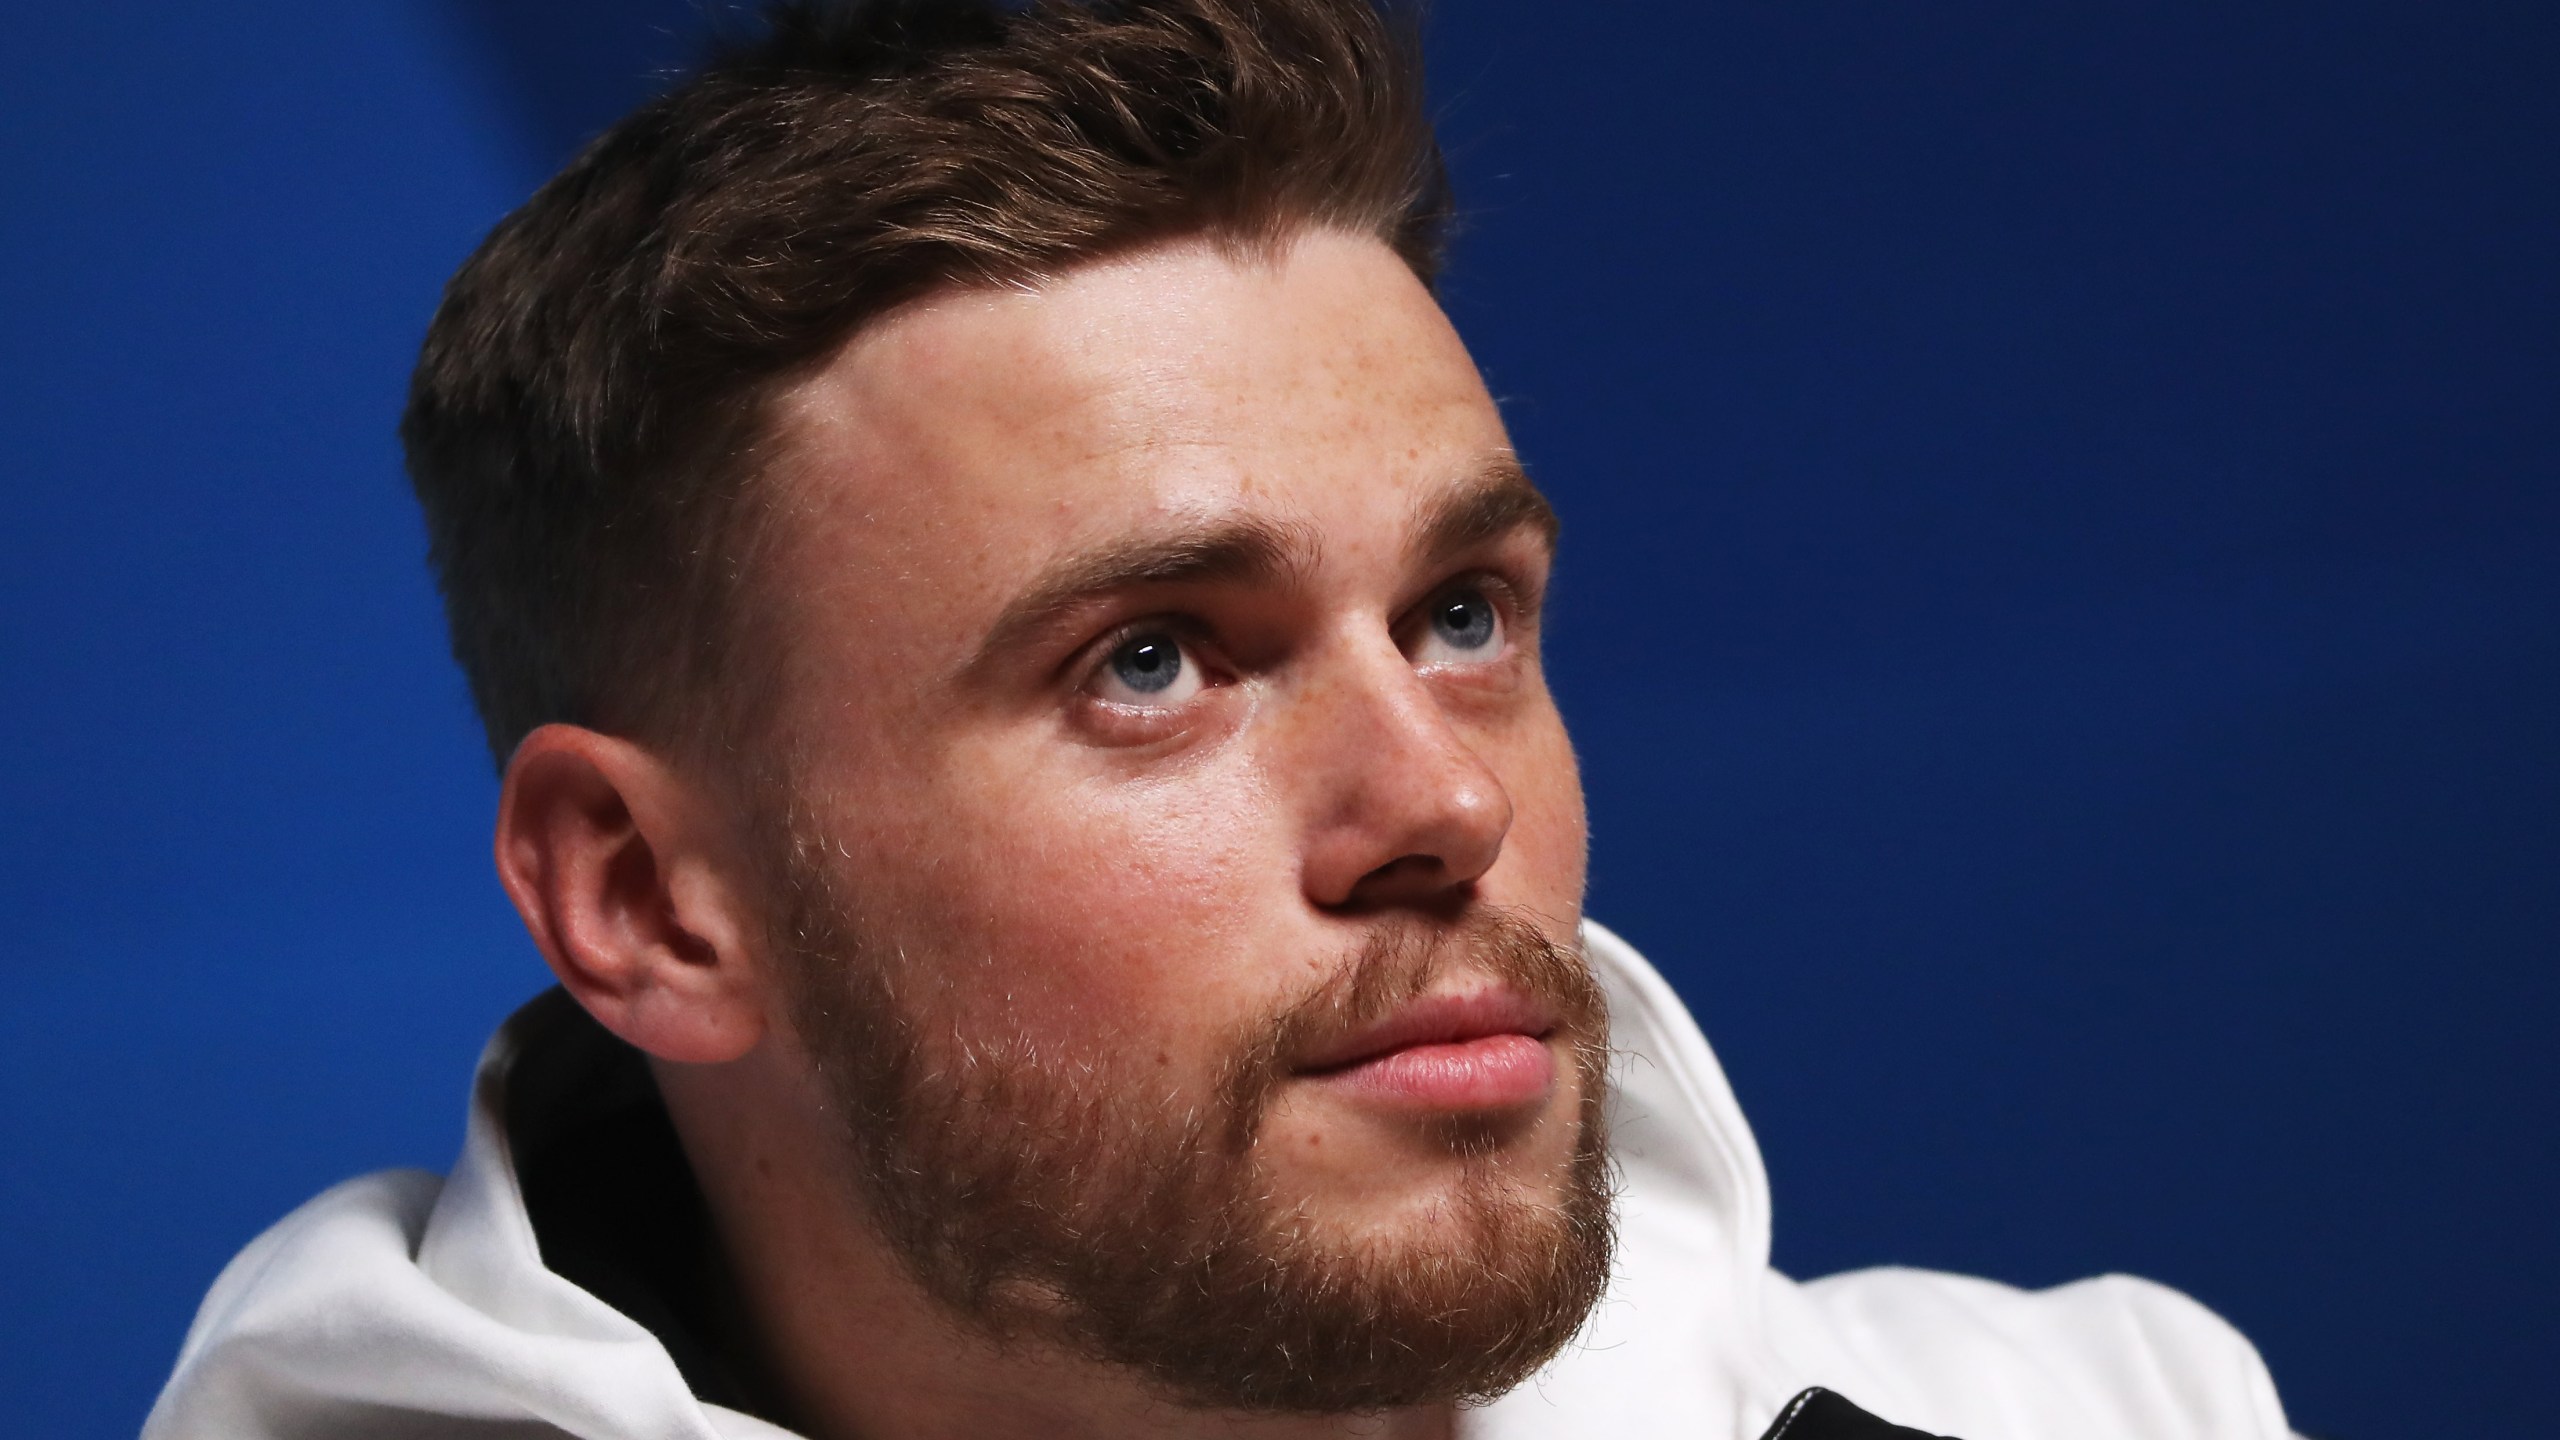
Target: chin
column 1405, row 1183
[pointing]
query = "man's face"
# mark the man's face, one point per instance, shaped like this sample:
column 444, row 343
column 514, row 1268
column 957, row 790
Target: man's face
column 1182, row 821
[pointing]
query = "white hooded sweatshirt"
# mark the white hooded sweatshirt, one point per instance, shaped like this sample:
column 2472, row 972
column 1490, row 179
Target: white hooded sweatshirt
column 402, row 1306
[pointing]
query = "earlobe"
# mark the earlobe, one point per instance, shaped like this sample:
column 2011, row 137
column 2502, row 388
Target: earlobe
column 625, row 875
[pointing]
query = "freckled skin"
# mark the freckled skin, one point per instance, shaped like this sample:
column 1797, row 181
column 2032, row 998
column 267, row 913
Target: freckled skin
column 1096, row 896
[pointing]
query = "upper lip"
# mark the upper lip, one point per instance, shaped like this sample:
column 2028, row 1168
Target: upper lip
column 1440, row 1019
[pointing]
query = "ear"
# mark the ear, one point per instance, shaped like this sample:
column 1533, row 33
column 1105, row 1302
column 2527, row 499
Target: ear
column 628, row 875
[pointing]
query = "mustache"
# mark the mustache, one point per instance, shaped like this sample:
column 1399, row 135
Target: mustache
column 1397, row 962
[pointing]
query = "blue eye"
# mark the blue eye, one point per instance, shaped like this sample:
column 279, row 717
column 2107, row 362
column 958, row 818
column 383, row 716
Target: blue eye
column 1464, row 621
column 1148, row 664
column 1460, row 626
column 1151, row 669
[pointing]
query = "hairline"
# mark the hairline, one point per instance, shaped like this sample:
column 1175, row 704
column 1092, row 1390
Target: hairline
column 754, row 465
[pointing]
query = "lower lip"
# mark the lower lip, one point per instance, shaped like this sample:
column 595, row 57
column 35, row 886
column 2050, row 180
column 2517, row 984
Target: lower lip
column 1493, row 1072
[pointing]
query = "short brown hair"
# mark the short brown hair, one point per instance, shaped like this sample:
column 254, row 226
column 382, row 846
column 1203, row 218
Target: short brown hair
column 581, row 424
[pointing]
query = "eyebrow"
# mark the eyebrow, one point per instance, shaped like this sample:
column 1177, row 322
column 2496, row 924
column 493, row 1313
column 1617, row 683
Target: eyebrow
column 1239, row 551
column 1499, row 499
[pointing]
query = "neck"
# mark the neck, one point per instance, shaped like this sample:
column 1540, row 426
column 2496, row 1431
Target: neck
column 852, row 1348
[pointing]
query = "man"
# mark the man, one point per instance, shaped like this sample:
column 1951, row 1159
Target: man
column 1011, row 625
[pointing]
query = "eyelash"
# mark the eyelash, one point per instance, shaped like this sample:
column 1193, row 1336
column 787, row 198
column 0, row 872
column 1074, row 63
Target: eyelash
column 1086, row 665
column 1515, row 601
column 1515, row 598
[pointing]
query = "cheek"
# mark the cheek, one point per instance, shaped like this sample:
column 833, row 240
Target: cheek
column 1546, row 855
column 1092, row 910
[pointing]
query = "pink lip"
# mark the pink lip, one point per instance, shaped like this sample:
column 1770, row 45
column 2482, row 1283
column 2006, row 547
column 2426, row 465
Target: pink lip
column 1481, row 1051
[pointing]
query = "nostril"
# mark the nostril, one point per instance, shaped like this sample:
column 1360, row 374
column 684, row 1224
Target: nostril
column 1406, row 880
column 1426, row 867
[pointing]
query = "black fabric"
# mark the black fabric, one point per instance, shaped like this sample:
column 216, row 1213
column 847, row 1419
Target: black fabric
column 1819, row 1414
column 614, row 1205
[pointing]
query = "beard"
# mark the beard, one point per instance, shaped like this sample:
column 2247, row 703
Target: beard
column 1055, row 1198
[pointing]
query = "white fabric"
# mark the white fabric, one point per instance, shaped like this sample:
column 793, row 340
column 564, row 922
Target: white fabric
column 400, row 1307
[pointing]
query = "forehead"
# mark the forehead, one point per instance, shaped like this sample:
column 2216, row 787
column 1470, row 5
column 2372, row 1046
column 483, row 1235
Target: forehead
column 972, row 436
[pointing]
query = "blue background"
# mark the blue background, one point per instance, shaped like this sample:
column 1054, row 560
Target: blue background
column 2062, row 617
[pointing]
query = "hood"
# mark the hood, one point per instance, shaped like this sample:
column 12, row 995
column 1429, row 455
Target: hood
column 403, row 1304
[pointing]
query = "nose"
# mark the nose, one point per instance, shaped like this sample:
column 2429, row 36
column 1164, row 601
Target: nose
column 1404, row 810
